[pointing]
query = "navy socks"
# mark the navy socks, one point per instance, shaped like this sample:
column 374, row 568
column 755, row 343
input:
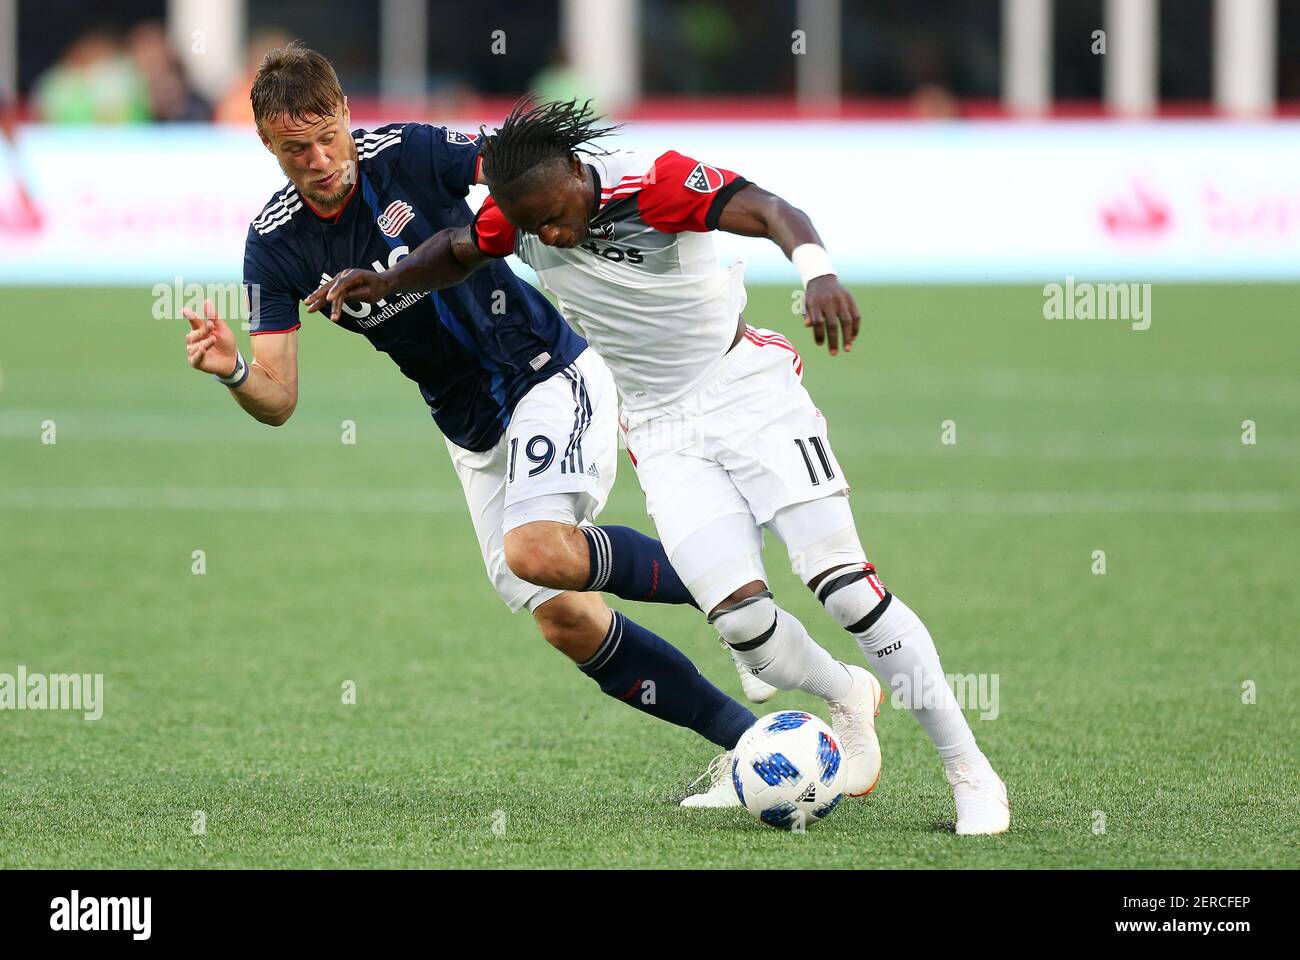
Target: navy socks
column 630, row 565
column 648, row 673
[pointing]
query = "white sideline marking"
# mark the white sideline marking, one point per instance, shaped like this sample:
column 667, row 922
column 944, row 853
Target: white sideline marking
column 866, row 503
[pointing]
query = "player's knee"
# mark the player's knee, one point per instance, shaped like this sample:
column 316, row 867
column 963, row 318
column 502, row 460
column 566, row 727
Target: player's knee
column 574, row 623
column 750, row 590
column 542, row 553
column 853, row 596
column 746, row 619
column 760, row 633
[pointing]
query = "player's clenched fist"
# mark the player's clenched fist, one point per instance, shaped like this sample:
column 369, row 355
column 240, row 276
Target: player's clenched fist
column 830, row 311
column 362, row 286
column 210, row 344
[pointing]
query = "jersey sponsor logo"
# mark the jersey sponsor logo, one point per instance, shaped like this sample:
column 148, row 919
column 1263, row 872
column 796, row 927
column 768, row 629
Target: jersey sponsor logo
column 704, row 179
column 603, row 232
column 463, row 139
column 615, row 254
column 361, row 313
column 395, row 217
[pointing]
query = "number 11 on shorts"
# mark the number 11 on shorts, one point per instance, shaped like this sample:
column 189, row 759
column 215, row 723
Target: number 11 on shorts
column 820, row 450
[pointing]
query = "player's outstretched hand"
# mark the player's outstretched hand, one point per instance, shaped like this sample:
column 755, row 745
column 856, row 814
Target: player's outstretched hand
column 210, row 344
column 830, row 311
column 364, row 286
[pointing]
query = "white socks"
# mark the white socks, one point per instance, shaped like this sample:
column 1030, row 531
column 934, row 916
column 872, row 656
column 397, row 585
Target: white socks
column 901, row 651
column 776, row 648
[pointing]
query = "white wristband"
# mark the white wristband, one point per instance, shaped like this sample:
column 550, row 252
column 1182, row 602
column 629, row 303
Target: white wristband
column 239, row 376
column 812, row 262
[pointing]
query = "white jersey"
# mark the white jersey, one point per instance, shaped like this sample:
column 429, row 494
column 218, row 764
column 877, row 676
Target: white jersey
column 646, row 288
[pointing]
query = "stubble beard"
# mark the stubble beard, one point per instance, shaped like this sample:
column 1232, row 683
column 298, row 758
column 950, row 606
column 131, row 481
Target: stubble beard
column 347, row 180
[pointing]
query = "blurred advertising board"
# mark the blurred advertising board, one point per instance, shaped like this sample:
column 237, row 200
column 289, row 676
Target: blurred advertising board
column 894, row 202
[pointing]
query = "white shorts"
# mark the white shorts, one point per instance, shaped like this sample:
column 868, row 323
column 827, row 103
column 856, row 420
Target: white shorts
column 559, row 453
column 745, row 440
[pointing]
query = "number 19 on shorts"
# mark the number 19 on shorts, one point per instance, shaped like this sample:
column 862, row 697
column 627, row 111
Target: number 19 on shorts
column 540, row 451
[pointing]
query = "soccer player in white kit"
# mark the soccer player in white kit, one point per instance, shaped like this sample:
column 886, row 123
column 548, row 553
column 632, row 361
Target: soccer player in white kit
column 726, row 440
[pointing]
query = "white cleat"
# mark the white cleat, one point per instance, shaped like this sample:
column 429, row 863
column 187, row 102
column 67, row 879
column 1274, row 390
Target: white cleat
column 720, row 792
column 982, row 805
column 854, row 721
column 756, row 690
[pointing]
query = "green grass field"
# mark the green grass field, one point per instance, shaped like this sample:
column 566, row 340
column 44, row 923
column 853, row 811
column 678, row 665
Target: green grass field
column 325, row 563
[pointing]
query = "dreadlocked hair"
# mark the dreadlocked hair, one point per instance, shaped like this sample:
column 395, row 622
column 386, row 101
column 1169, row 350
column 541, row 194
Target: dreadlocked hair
column 534, row 135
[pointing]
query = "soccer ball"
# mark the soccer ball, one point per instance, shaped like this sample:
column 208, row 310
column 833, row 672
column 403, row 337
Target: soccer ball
column 787, row 770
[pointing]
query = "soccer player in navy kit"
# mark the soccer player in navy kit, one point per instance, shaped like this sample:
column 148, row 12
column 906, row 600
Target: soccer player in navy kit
column 527, row 409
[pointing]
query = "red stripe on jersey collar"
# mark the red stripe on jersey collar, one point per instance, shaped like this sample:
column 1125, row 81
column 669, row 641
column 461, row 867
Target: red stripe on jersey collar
column 332, row 217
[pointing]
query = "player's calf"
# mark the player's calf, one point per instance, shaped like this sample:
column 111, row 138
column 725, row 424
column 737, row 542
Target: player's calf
column 777, row 649
column 574, row 624
column 898, row 646
column 774, row 646
column 637, row 667
column 628, row 564
column 826, row 553
column 609, row 559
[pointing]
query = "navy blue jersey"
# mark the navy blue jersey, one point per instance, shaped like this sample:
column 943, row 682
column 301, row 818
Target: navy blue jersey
column 475, row 348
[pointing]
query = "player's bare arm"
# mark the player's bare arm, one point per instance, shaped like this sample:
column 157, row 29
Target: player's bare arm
column 445, row 259
column 828, row 308
column 269, row 392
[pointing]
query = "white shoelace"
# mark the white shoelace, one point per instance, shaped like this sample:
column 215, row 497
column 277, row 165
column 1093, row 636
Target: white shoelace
column 963, row 776
column 971, row 776
column 849, row 734
column 719, row 769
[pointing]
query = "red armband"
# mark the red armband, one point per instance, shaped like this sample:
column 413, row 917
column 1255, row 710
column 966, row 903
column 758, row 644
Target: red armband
column 493, row 234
